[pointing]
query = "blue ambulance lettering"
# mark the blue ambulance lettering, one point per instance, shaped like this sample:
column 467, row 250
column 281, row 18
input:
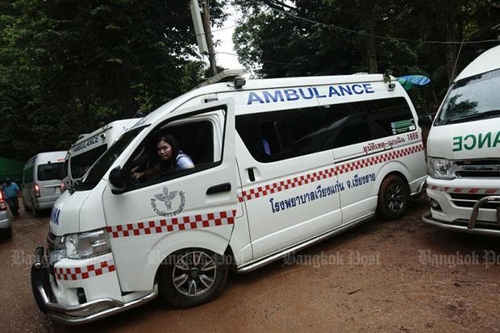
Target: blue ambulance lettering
column 54, row 215
column 87, row 143
column 295, row 94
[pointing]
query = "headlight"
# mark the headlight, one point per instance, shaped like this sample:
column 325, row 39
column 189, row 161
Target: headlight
column 58, row 251
column 87, row 244
column 441, row 168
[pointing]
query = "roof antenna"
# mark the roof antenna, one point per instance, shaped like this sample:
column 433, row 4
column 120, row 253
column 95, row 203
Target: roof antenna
column 455, row 66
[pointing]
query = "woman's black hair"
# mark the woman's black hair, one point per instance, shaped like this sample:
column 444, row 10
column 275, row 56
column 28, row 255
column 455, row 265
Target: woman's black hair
column 171, row 163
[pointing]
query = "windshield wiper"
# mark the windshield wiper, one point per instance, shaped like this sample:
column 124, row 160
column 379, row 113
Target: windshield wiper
column 474, row 116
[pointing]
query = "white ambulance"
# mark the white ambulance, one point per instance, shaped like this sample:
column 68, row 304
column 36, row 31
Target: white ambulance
column 280, row 164
column 41, row 181
column 89, row 147
column 463, row 151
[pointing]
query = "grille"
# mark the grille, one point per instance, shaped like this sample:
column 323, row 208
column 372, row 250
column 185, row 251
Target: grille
column 469, row 200
column 484, row 168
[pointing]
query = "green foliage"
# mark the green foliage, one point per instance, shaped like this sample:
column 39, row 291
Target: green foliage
column 315, row 37
column 68, row 65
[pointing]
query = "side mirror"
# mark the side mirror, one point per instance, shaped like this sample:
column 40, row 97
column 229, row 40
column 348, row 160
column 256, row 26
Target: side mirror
column 116, row 180
column 425, row 121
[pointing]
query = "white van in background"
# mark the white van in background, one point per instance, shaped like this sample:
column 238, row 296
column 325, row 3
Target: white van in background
column 5, row 226
column 280, row 164
column 41, row 180
column 463, row 151
column 89, row 147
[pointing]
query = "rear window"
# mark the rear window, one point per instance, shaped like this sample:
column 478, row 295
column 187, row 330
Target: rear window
column 50, row 171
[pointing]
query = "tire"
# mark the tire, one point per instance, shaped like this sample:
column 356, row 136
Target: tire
column 192, row 277
column 393, row 198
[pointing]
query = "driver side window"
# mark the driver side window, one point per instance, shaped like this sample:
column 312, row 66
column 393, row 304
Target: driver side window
column 177, row 148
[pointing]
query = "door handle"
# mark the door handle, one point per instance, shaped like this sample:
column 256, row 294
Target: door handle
column 251, row 175
column 226, row 187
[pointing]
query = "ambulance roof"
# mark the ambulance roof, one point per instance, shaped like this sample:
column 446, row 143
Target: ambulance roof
column 124, row 124
column 276, row 83
column 485, row 62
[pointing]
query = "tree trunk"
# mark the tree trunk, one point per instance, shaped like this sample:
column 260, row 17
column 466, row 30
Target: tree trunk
column 451, row 27
column 207, row 26
column 123, row 91
column 368, row 22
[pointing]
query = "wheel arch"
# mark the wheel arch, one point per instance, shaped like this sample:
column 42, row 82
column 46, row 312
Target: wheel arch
column 177, row 241
column 393, row 168
column 385, row 203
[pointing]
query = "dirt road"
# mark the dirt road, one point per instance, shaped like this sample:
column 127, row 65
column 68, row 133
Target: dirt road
column 398, row 276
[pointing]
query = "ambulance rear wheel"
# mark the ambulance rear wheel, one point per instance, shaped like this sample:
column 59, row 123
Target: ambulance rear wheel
column 192, row 277
column 393, row 198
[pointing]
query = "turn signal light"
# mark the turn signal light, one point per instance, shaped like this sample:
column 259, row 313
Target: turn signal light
column 36, row 188
column 3, row 206
column 62, row 187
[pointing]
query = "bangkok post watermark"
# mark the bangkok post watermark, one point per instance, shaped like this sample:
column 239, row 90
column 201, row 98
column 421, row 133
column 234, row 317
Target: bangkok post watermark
column 23, row 258
column 353, row 258
column 487, row 258
column 20, row 257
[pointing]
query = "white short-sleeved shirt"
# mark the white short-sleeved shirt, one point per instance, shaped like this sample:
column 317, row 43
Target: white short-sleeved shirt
column 183, row 161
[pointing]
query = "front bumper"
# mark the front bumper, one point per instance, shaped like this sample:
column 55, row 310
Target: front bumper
column 472, row 225
column 5, row 233
column 43, row 285
column 5, row 227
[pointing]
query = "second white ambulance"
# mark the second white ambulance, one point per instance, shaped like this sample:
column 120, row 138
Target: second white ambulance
column 279, row 165
column 89, row 147
column 463, row 150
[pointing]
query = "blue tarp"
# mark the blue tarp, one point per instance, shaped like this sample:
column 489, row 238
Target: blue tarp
column 409, row 81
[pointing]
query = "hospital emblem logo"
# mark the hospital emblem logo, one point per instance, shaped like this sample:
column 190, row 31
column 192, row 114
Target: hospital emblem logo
column 168, row 203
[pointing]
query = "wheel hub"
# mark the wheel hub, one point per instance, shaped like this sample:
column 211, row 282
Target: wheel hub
column 194, row 273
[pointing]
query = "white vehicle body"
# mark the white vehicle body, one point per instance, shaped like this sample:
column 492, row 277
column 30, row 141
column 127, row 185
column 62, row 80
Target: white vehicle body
column 5, row 226
column 463, row 151
column 41, row 180
column 84, row 152
column 279, row 165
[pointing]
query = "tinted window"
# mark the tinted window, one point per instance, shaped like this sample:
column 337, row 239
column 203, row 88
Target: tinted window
column 28, row 174
column 50, row 171
column 273, row 136
column 195, row 139
column 361, row 121
column 81, row 163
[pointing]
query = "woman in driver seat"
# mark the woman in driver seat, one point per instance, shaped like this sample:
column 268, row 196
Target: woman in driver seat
column 171, row 158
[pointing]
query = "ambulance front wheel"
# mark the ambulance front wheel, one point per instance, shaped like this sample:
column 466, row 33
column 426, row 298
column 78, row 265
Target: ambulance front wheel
column 192, row 277
column 393, row 197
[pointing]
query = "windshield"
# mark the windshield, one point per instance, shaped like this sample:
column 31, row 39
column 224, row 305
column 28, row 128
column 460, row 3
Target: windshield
column 81, row 163
column 97, row 171
column 472, row 98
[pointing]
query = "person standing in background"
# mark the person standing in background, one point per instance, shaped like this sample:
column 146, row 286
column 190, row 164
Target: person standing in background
column 11, row 192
